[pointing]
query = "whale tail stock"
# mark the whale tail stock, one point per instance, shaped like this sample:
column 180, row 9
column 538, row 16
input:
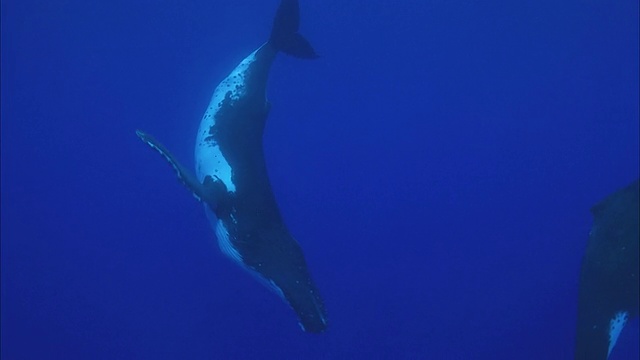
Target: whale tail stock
column 284, row 34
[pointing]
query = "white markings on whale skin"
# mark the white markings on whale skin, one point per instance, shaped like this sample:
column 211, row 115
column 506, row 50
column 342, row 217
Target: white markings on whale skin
column 225, row 243
column 222, row 235
column 210, row 161
column 209, row 157
column 616, row 325
column 227, row 248
column 268, row 283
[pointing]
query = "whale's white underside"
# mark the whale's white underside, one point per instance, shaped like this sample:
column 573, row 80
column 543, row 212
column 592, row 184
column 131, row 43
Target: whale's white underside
column 209, row 159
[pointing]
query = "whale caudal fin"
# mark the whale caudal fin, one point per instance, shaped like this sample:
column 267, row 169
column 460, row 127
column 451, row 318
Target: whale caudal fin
column 209, row 192
column 284, row 34
column 609, row 289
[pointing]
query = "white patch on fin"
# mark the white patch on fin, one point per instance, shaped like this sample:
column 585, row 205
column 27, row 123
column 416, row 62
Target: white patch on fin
column 616, row 325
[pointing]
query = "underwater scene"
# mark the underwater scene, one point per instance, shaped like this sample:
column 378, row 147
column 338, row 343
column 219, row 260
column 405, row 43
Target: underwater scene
column 300, row 179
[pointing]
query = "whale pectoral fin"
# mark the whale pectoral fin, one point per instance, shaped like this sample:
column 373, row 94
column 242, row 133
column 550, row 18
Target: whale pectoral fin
column 198, row 190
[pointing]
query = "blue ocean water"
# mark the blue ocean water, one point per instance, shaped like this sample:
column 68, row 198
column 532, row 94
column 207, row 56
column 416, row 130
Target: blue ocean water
column 437, row 164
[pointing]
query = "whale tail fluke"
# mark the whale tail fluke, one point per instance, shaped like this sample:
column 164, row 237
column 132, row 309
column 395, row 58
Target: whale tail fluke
column 284, row 34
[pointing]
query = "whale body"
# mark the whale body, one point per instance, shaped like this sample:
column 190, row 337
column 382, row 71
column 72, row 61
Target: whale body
column 231, row 177
column 609, row 283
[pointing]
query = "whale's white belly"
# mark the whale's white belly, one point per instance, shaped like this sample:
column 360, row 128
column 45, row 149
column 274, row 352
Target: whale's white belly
column 209, row 159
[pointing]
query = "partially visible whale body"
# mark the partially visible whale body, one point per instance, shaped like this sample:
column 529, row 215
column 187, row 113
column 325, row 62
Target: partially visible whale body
column 609, row 282
column 231, row 177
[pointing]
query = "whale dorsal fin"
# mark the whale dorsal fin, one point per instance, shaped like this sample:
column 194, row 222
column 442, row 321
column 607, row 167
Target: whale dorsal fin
column 209, row 192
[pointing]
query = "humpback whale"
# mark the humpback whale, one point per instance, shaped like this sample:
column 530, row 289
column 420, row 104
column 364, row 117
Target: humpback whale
column 609, row 287
column 231, row 178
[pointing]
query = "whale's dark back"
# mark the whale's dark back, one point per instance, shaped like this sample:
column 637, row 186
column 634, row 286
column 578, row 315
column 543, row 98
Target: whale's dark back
column 609, row 277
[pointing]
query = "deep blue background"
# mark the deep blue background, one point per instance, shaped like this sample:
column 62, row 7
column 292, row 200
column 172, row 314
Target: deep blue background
column 437, row 165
